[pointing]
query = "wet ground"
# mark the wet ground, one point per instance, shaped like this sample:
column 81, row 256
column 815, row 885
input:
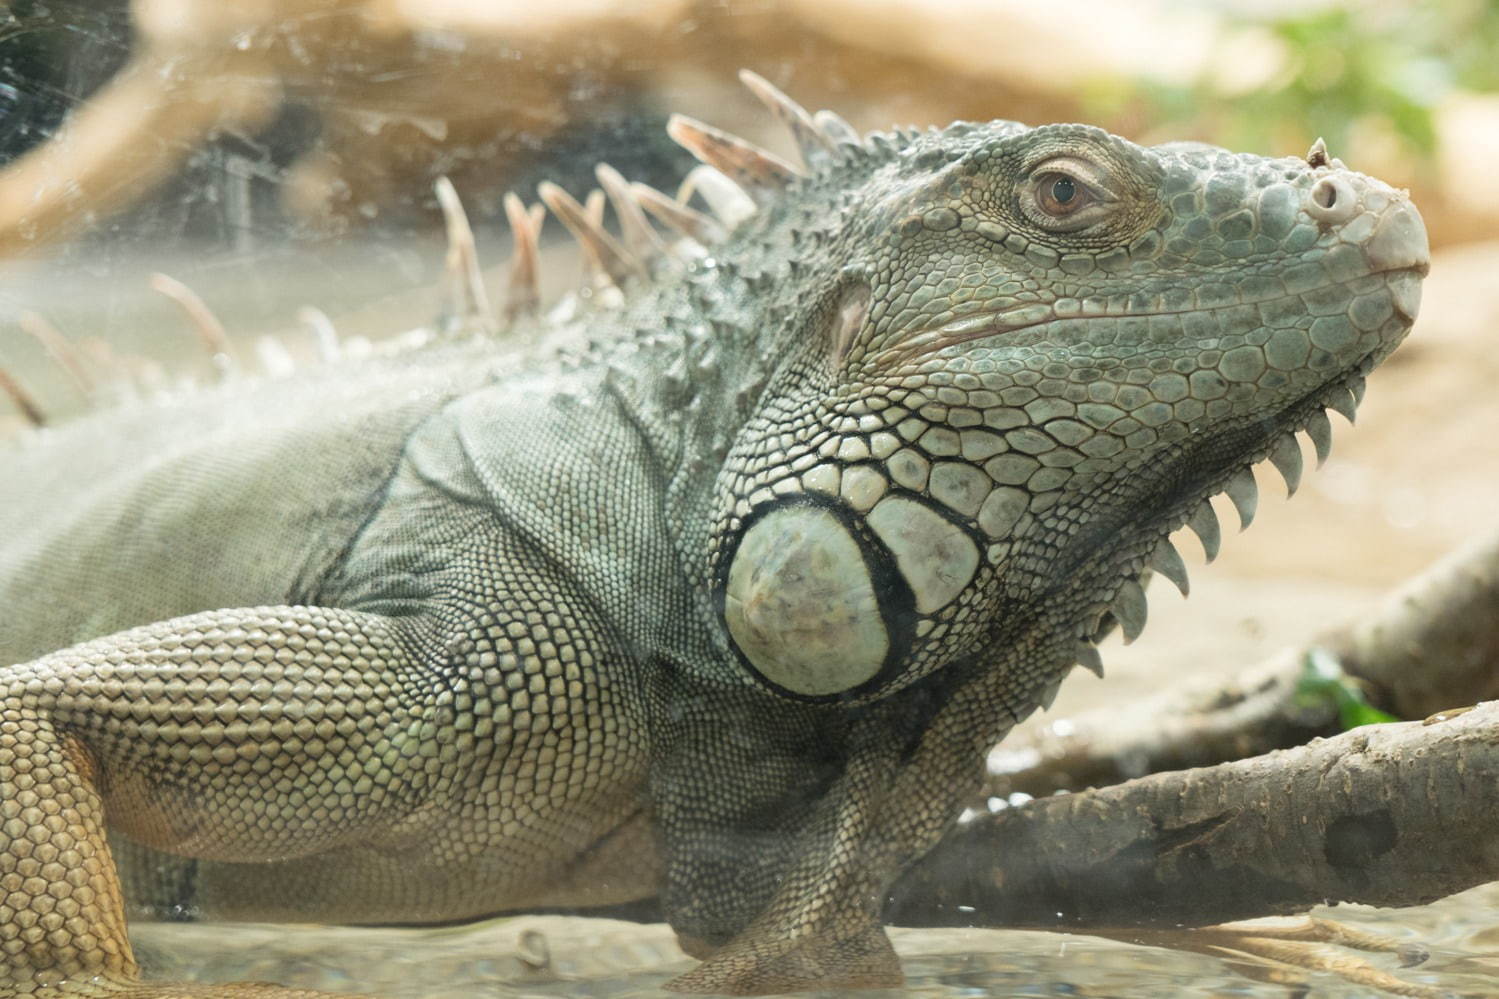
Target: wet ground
column 554, row 957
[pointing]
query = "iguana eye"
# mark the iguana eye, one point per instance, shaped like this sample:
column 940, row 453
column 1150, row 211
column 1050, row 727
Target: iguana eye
column 1064, row 195
column 1060, row 195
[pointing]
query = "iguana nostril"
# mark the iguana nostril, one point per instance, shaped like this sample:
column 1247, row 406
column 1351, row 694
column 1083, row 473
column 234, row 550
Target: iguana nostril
column 1331, row 200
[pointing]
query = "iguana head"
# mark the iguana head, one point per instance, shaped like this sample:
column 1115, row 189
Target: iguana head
column 1034, row 353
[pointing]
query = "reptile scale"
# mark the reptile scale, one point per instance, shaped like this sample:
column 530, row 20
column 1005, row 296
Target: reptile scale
column 722, row 602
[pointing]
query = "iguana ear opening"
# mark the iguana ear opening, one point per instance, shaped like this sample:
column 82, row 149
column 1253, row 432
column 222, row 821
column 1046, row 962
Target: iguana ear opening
column 852, row 310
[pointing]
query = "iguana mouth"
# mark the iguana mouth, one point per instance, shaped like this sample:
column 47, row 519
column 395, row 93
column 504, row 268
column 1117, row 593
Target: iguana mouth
column 983, row 326
column 969, row 328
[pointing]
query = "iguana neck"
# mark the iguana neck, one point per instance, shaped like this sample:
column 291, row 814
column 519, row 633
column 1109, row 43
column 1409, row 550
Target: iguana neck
column 688, row 364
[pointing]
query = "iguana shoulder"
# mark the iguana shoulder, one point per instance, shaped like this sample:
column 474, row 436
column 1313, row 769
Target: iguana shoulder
column 138, row 512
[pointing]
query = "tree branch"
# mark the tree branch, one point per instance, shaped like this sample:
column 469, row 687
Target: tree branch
column 1367, row 817
column 126, row 140
column 1432, row 644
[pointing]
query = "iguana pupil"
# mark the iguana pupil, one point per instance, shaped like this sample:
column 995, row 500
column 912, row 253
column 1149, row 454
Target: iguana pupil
column 1063, row 190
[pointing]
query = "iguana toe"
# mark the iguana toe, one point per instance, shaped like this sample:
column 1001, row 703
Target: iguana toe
column 751, row 967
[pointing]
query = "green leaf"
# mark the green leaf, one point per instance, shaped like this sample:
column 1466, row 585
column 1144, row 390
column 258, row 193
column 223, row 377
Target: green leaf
column 1356, row 711
column 1323, row 684
column 1346, row 67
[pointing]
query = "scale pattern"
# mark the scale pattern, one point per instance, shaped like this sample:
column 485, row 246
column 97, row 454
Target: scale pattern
column 721, row 603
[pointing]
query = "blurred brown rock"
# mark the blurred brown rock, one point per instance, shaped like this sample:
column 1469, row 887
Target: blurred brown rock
column 405, row 90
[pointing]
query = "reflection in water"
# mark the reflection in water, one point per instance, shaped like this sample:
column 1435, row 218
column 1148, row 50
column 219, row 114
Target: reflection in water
column 619, row 960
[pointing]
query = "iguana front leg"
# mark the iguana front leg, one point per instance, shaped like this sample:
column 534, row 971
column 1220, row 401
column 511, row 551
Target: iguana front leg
column 821, row 928
column 241, row 734
column 899, row 786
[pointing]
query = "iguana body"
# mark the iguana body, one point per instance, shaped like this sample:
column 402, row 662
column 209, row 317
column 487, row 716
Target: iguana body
column 724, row 609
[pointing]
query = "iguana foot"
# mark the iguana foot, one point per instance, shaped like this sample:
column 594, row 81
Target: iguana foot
column 750, row 967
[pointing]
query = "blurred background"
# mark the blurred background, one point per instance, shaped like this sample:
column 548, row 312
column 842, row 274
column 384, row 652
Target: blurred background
column 277, row 154
column 272, row 153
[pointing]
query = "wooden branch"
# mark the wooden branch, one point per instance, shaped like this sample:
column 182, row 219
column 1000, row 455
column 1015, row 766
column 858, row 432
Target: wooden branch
column 1393, row 815
column 1432, row 644
column 127, row 139
column 1435, row 642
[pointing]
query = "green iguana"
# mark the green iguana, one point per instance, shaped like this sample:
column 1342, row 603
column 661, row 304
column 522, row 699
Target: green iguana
column 722, row 604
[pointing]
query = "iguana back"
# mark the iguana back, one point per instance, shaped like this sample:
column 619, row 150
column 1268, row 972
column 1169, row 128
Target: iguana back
column 240, row 494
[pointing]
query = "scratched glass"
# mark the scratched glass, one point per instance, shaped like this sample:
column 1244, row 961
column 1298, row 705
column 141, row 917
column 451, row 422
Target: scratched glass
column 281, row 170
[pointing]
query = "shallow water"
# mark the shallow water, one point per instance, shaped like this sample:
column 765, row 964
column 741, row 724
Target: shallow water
column 559, row 956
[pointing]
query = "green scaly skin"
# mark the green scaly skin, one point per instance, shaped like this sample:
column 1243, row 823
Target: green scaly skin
column 724, row 609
